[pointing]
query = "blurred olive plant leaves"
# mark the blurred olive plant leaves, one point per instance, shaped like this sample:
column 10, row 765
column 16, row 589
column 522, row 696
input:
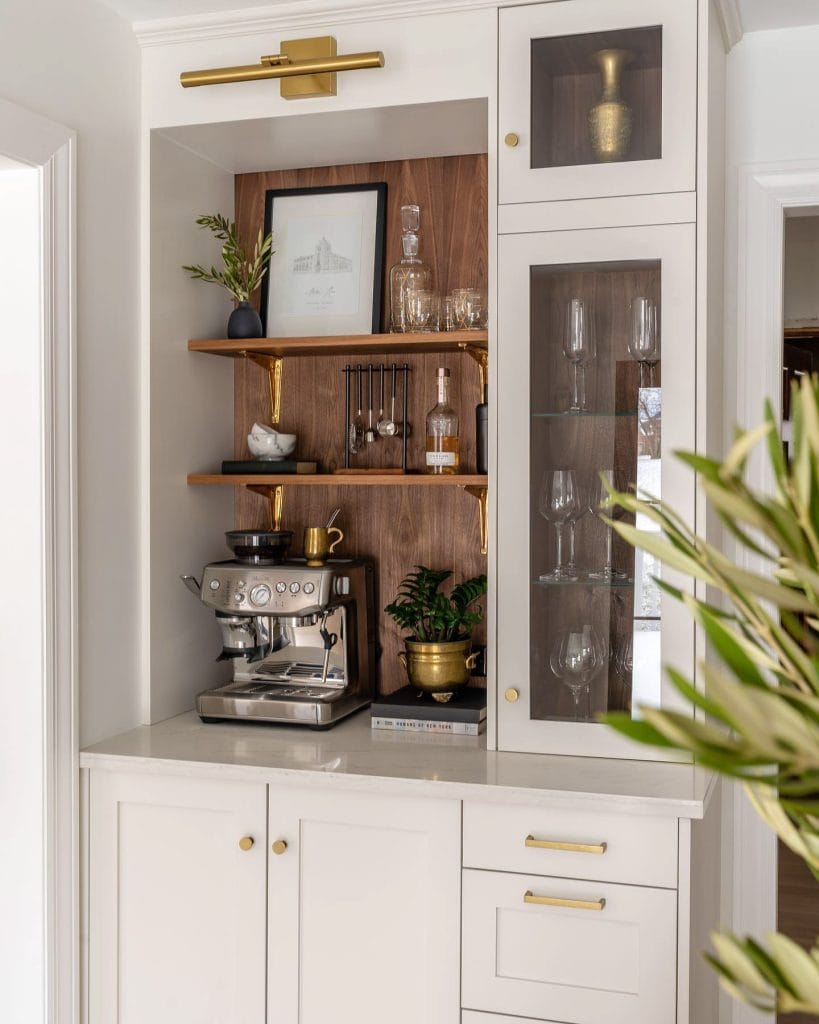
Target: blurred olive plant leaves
column 759, row 705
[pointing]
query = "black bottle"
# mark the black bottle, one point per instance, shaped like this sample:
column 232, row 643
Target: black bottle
column 482, row 437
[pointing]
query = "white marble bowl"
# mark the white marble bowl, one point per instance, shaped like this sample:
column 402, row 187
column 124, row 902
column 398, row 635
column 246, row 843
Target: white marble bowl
column 271, row 446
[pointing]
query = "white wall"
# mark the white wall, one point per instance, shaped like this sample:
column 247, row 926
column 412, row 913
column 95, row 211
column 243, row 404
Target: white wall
column 22, row 940
column 802, row 271
column 77, row 62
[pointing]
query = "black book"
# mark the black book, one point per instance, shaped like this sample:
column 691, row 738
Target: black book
column 466, row 705
column 267, row 466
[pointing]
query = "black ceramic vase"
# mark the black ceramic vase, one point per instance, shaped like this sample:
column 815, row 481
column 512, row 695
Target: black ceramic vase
column 244, row 322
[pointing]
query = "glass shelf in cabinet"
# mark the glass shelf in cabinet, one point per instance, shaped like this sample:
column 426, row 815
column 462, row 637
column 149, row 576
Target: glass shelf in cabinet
column 585, row 581
column 603, row 414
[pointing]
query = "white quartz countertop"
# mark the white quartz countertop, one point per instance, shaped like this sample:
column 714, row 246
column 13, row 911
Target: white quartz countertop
column 355, row 757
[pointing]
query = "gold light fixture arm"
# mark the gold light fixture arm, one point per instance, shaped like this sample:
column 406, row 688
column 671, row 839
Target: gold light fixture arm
column 316, row 59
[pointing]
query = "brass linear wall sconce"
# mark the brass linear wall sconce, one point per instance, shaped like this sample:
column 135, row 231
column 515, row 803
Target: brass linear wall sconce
column 306, row 67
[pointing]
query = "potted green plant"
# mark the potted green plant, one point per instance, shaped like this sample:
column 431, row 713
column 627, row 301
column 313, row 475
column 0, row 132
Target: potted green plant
column 438, row 656
column 241, row 276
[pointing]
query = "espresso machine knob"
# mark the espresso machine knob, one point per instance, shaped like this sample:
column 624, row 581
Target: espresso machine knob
column 281, row 587
column 260, row 595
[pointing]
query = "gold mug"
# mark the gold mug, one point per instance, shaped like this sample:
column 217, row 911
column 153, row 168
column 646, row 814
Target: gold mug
column 317, row 544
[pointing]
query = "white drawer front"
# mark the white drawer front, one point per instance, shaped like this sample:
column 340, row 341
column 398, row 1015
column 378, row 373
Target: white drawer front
column 642, row 851
column 553, row 963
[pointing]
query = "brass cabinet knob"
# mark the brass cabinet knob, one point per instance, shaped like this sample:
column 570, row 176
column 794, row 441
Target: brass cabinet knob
column 511, row 139
column 512, row 694
column 279, row 846
column 246, row 843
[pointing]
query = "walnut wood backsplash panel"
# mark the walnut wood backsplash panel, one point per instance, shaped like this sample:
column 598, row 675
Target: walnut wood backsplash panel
column 395, row 527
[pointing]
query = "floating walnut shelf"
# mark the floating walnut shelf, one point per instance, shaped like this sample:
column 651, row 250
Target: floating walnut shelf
column 340, row 345
column 340, row 479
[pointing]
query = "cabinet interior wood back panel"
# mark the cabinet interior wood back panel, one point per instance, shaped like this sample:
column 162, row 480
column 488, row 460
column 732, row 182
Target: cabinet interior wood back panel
column 397, row 528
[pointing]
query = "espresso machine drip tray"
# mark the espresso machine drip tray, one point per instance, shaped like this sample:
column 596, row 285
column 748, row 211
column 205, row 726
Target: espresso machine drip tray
column 297, row 672
column 293, row 697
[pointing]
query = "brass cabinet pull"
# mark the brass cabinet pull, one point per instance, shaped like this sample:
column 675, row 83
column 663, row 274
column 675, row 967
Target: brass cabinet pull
column 557, row 901
column 511, row 139
column 279, row 846
column 246, row 843
column 511, row 694
column 553, row 844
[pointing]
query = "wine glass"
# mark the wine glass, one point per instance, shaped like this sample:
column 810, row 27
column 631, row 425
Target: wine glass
column 558, row 503
column 642, row 344
column 579, row 347
column 581, row 508
column 624, row 658
column 598, row 495
column 577, row 655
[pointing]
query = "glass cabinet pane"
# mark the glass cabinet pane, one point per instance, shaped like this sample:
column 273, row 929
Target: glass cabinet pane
column 596, row 97
column 596, row 412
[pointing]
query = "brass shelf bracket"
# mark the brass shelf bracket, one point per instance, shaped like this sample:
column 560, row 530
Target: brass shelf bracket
column 273, row 365
column 275, row 495
column 306, row 67
column 481, row 494
column 481, row 357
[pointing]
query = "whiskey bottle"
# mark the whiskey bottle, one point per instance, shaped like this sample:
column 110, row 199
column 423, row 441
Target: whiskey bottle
column 443, row 442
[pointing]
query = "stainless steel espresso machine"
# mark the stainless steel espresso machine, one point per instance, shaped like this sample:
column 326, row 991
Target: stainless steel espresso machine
column 301, row 639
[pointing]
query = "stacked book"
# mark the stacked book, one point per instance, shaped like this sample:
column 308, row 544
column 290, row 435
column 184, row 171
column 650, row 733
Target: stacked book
column 408, row 711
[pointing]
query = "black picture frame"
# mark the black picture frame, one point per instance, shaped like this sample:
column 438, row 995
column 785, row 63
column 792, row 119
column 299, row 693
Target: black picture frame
column 279, row 277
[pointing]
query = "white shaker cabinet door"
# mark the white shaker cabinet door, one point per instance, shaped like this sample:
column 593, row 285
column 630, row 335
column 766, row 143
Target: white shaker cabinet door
column 552, row 78
column 559, row 949
column 176, row 904
column 364, row 909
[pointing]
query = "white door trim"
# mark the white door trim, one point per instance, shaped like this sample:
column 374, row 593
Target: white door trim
column 766, row 192
column 50, row 149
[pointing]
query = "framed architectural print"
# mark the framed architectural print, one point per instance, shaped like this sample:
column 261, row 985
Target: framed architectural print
column 327, row 270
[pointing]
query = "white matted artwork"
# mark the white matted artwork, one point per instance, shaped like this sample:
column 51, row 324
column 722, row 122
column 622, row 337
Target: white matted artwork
column 326, row 274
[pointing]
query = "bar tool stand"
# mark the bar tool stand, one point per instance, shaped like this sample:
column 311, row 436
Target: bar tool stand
column 350, row 435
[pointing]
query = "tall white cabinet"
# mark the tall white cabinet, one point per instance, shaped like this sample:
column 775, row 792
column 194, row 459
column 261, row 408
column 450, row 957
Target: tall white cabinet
column 608, row 276
column 238, row 875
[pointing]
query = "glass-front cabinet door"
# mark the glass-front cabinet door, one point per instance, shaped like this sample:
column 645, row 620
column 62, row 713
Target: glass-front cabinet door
column 597, row 99
column 596, row 382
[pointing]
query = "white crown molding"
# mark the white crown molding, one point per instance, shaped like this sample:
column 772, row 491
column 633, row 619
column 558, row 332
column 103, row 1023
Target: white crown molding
column 293, row 14
column 730, row 21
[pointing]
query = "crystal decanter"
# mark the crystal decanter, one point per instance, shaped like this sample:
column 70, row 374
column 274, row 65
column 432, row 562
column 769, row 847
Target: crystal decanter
column 411, row 274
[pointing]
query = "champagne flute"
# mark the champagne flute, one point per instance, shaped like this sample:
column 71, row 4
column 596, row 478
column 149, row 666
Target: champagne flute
column 598, row 495
column 558, row 503
column 579, row 347
column 576, row 657
column 642, row 344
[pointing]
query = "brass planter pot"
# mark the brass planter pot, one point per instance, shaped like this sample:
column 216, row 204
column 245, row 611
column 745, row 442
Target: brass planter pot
column 438, row 668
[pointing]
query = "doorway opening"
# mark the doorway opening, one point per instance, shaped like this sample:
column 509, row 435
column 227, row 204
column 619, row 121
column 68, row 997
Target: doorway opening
column 797, row 892
column 22, row 664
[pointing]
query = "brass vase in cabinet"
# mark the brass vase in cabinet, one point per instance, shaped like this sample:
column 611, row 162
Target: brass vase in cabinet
column 610, row 120
column 438, row 668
